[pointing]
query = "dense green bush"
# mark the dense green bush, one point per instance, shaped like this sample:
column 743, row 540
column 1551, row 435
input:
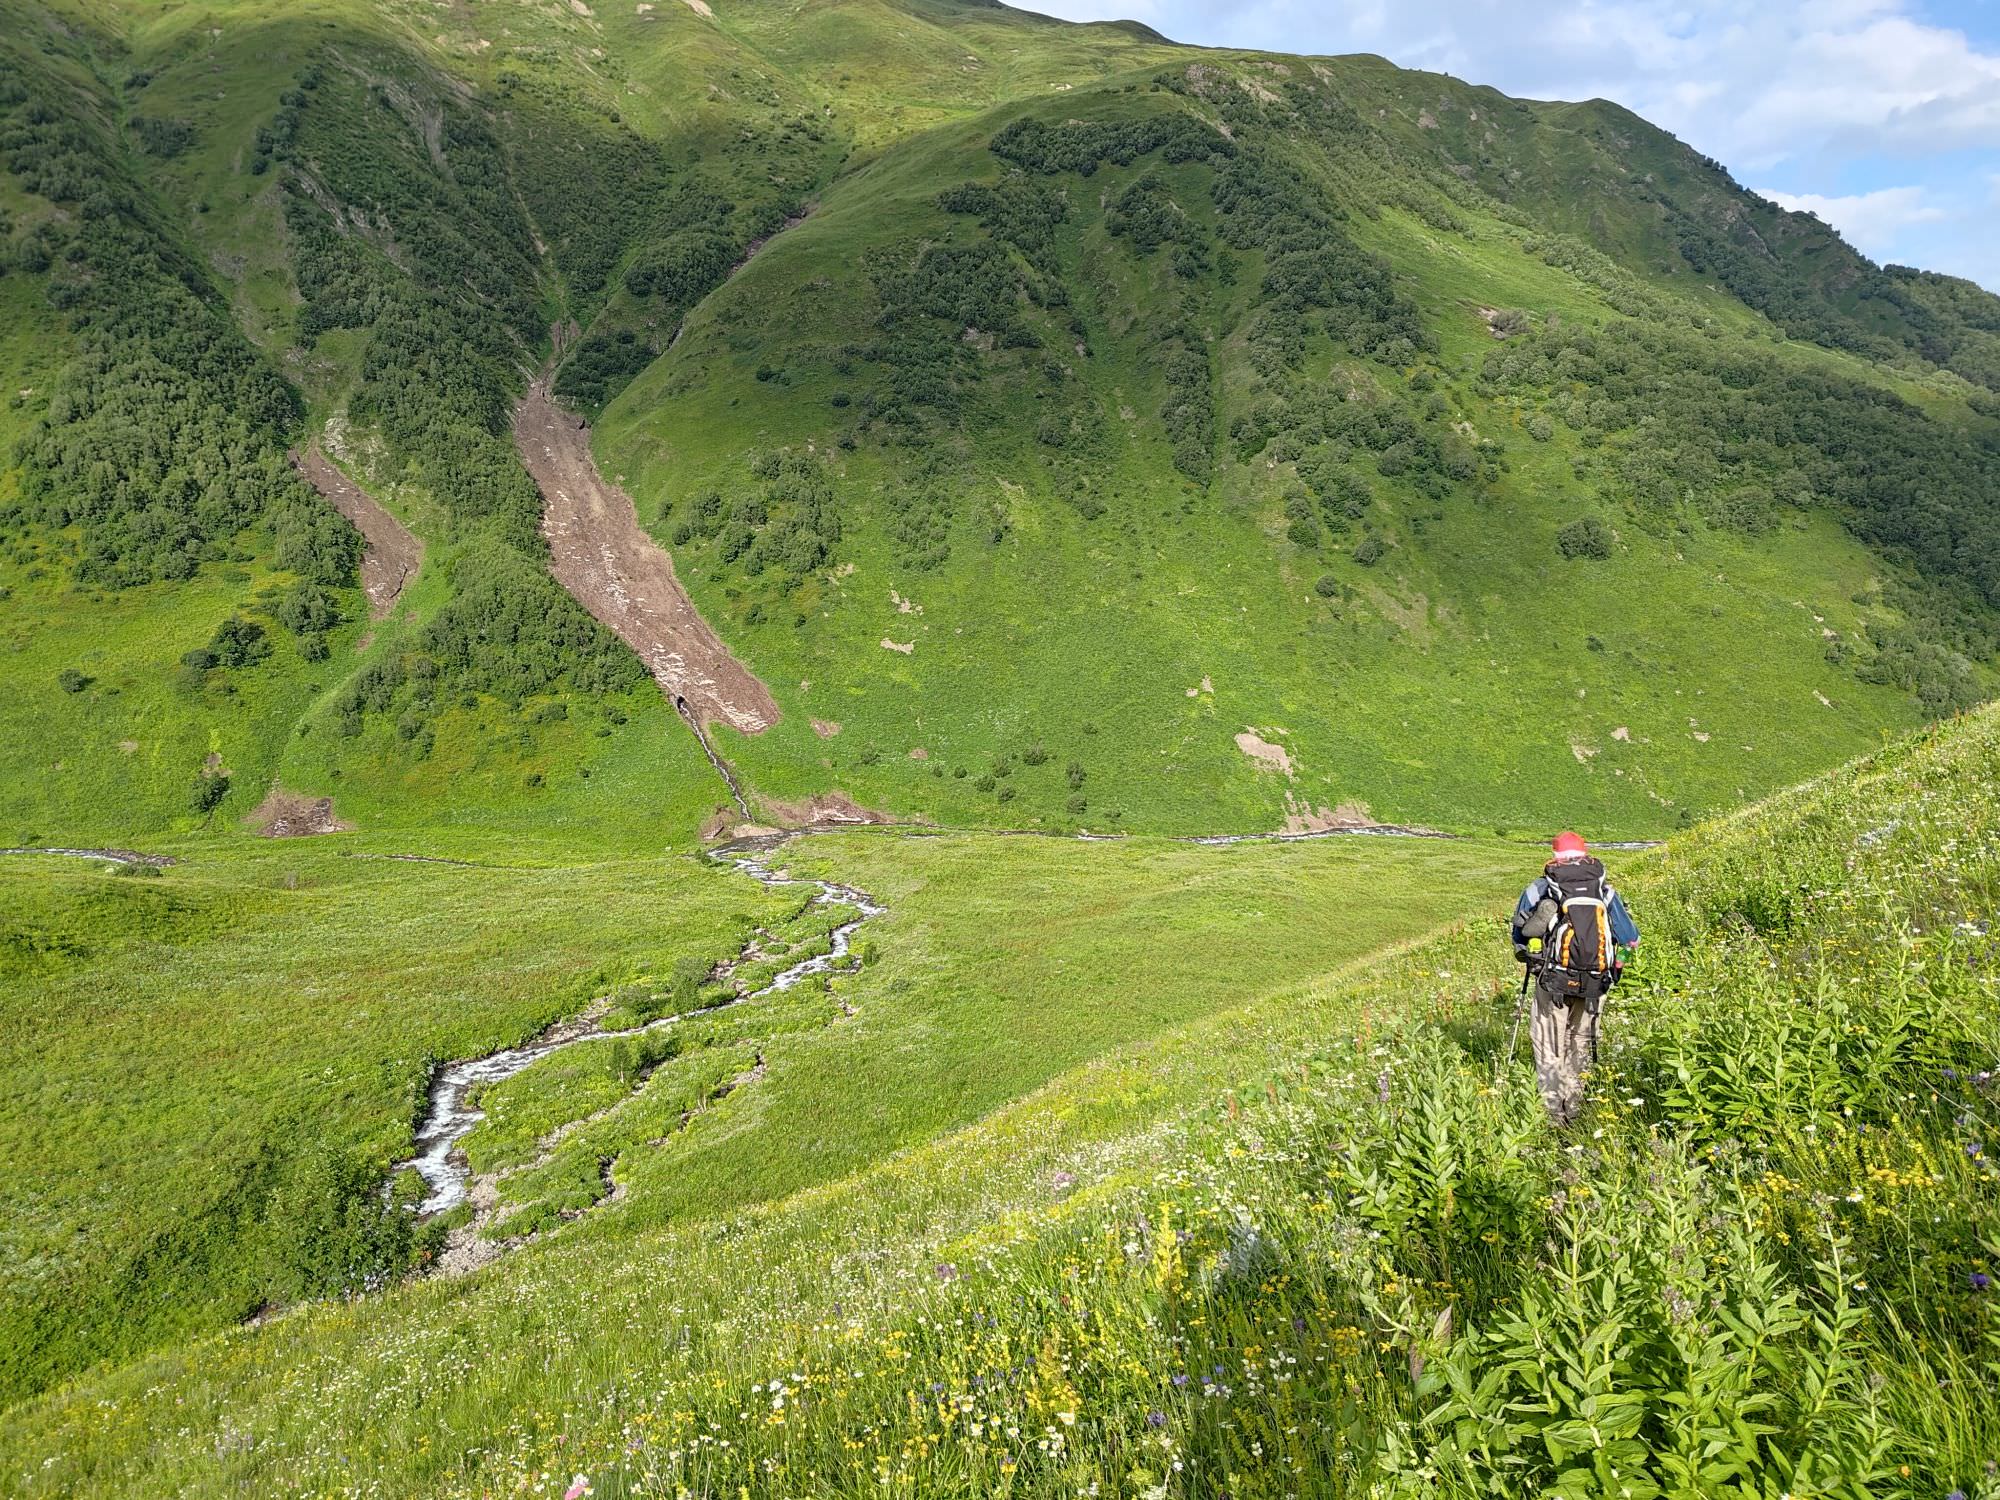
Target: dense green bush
column 1586, row 536
column 1080, row 146
column 602, row 366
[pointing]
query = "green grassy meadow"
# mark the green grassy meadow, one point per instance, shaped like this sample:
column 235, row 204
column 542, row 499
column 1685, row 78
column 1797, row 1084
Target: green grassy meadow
column 300, row 992
column 1315, row 1239
column 189, row 1048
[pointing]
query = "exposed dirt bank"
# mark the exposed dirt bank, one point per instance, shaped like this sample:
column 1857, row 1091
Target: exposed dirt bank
column 292, row 815
column 601, row 554
column 391, row 556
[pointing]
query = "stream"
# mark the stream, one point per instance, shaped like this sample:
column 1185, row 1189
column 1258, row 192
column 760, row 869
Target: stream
column 450, row 1113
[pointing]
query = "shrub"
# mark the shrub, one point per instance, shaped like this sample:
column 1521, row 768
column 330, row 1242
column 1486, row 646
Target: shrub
column 1371, row 550
column 71, row 681
column 1585, row 537
column 1327, row 586
column 208, row 791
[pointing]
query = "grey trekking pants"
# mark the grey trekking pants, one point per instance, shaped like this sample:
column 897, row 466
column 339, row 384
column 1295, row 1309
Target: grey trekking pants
column 1565, row 1033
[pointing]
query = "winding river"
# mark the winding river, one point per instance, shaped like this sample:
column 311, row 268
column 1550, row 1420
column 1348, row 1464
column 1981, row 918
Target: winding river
column 452, row 1112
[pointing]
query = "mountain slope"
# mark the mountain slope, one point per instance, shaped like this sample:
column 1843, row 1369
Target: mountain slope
column 1221, row 413
column 1340, row 515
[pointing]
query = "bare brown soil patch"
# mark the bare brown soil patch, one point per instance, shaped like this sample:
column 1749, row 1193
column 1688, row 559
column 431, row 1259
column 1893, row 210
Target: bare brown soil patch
column 1267, row 755
column 826, row 729
column 292, row 815
column 826, row 808
column 1303, row 817
column 390, row 556
column 600, row 553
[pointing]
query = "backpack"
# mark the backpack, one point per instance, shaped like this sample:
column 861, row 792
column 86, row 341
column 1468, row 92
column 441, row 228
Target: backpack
column 1578, row 951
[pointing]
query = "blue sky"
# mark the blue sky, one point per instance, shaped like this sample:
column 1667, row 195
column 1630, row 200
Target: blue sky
column 1881, row 116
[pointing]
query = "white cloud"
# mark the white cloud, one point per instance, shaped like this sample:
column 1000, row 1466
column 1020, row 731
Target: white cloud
column 1872, row 221
column 1753, row 83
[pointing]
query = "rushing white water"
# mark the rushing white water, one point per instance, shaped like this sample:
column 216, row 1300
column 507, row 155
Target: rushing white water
column 451, row 1113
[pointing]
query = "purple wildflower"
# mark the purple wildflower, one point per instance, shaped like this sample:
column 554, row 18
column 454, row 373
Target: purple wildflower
column 1180, row 1380
column 1158, row 1419
column 1980, row 1281
column 947, row 1272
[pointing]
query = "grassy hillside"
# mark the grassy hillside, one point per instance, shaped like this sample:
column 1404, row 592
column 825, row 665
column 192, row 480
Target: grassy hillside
column 974, row 510
column 1296, row 370
column 1322, row 1239
column 214, row 1065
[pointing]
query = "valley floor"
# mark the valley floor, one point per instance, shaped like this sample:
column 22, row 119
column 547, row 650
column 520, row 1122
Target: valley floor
column 1168, row 1169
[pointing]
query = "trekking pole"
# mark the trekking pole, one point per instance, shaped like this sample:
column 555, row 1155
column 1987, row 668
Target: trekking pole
column 1520, row 1007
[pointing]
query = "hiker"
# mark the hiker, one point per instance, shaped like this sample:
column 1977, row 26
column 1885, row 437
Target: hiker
column 1572, row 931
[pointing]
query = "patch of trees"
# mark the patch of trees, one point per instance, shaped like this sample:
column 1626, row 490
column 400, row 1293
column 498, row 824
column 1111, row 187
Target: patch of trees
column 1316, row 275
column 940, row 306
column 592, row 184
column 1941, row 679
column 163, row 437
column 919, row 510
column 788, row 524
column 1741, row 437
column 1715, row 427
column 165, row 138
column 602, row 366
column 1189, row 412
column 508, row 631
column 1081, row 146
column 434, row 263
column 690, row 249
column 1585, row 537
column 683, row 267
column 1883, row 313
column 1020, row 212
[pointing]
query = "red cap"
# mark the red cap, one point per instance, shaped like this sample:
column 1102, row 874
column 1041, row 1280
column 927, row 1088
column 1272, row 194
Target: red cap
column 1570, row 843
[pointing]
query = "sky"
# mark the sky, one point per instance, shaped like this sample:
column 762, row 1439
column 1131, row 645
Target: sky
column 1880, row 116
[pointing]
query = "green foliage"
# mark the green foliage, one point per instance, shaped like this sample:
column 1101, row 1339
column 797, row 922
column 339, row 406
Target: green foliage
column 1081, row 146
column 1747, row 433
column 683, row 266
column 1585, row 537
column 207, row 792
column 162, row 137
column 508, row 631
column 602, row 366
column 163, row 437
